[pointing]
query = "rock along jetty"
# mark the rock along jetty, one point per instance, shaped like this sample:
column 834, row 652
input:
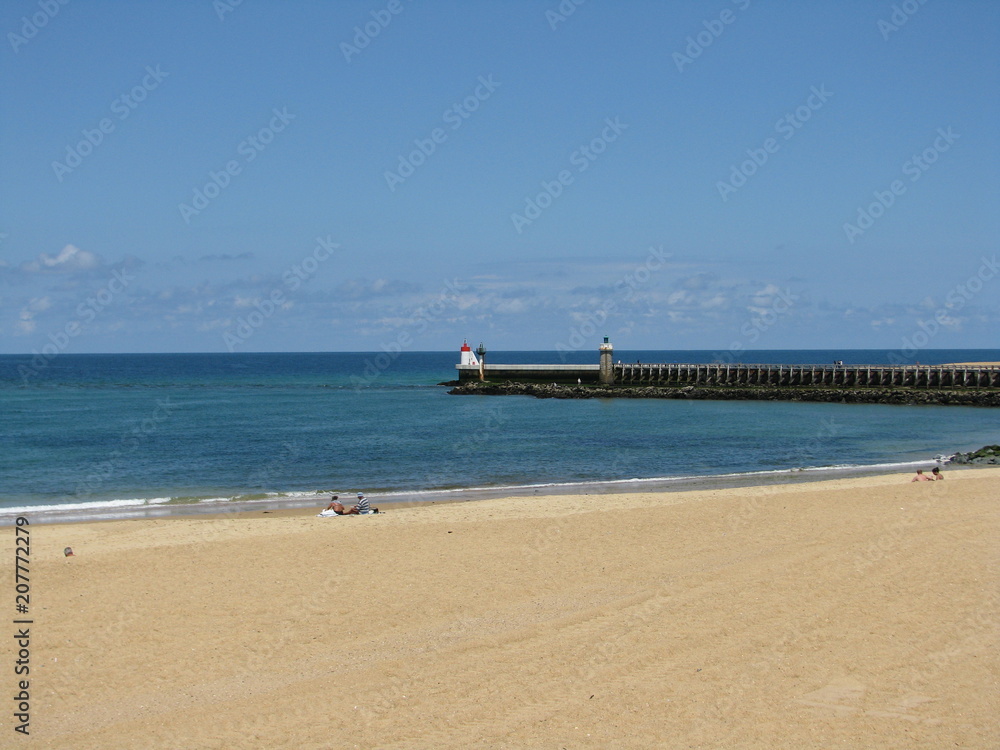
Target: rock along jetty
column 970, row 397
column 989, row 454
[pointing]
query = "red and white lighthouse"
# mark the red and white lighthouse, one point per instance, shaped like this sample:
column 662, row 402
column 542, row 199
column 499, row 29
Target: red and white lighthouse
column 468, row 358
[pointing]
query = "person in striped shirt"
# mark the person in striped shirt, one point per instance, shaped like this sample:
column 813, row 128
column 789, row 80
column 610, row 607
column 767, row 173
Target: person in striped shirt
column 363, row 506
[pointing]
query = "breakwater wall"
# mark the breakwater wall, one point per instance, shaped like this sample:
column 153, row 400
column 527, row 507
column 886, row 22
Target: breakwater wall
column 531, row 373
column 851, row 376
column 715, row 375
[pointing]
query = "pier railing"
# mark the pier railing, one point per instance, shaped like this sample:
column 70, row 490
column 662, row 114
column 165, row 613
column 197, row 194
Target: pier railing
column 872, row 376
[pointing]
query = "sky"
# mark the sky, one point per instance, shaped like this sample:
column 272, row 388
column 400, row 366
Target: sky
column 263, row 176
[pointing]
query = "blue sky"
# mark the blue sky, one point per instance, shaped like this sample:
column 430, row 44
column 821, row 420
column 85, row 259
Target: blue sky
column 321, row 176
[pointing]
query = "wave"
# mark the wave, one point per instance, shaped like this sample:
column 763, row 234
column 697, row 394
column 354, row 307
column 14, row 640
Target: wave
column 89, row 505
column 181, row 505
column 682, row 479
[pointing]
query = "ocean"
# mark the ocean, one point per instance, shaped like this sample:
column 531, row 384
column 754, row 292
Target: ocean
column 105, row 435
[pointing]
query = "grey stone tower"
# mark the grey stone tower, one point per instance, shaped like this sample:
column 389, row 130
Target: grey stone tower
column 607, row 374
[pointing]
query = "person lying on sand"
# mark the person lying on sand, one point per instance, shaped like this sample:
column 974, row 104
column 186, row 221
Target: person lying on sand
column 937, row 473
column 921, row 477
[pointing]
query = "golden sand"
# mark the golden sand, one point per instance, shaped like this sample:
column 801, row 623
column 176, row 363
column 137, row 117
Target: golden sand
column 855, row 613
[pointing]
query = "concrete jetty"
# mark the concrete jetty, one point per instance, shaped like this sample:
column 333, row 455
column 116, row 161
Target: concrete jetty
column 531, row 373
column 610, row 373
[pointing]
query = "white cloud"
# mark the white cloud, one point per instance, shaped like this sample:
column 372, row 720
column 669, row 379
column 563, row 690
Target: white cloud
column 765, row 297
column 26, row 323
column 26, row 317
column 718, row 300
column 70, row 258
column 509, row 306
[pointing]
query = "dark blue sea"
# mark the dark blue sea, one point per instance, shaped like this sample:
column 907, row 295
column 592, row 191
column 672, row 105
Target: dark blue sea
column 175, row 432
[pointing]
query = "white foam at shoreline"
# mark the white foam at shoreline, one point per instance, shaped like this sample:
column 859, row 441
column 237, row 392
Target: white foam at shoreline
column 93, row 504
column 292, row 499
column 666, row 480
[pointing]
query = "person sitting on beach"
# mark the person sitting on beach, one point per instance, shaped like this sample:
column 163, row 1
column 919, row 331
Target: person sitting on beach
column 336, row 506
column 921, row 477
column 363, row 506
column 937, row 473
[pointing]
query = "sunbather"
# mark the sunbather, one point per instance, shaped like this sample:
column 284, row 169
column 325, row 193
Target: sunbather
column 362, row 508
column 336, row 506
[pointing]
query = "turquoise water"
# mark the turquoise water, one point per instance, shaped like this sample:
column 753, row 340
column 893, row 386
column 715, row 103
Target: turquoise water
column 100, row 431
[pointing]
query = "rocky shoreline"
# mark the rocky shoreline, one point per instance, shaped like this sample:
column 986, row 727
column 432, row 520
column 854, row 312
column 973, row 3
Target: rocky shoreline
column 989, row 454
column 902, row 396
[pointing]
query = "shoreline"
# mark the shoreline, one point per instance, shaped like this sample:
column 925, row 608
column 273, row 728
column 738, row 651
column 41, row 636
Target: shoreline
column 851, row 612
column 395, row 500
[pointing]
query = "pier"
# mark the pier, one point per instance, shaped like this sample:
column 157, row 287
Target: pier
column 839, row 376
column 609, row 373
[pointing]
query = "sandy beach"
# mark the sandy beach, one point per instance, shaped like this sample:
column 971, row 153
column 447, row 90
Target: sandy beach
column 854, row 613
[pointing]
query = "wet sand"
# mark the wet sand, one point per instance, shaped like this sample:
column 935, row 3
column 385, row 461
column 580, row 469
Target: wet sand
column 859, row 612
